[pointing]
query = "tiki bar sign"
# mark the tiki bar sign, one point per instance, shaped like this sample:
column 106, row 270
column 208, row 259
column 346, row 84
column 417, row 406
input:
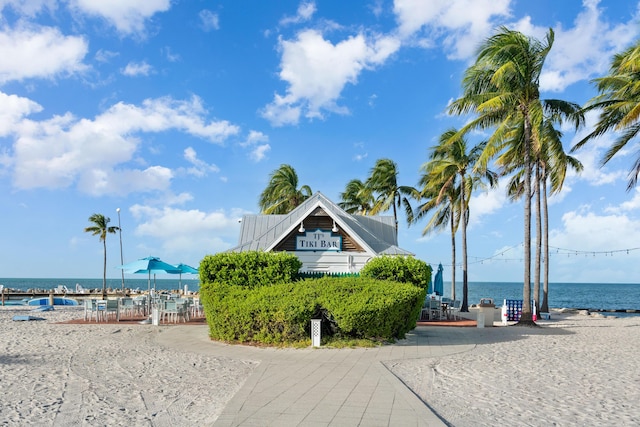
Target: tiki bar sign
column 318, row 241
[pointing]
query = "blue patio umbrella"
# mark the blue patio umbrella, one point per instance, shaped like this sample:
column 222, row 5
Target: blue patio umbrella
column 438, row 285
column 149, row 265
column 186, row 269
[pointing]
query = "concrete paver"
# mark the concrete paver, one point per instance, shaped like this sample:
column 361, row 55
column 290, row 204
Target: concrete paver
column 328, row 387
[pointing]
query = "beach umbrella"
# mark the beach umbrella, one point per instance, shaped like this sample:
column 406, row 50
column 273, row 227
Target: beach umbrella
column 438, row 285
column 185, row 269
column 149, row 265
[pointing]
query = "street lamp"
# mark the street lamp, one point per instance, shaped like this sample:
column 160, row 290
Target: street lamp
column 121, row 257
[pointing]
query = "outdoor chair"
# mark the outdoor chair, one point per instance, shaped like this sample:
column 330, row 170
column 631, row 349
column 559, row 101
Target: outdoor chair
column 183, row 308
column 170, row 310
column 90, row 309
column 127, row 306
column 112, row 308
column 435, row 310
column 454, row 309
column 196, row 307
column 101, row 310
column 140, row 305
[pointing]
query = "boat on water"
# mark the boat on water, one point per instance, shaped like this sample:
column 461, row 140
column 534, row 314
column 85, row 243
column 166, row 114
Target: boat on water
column 56, row 301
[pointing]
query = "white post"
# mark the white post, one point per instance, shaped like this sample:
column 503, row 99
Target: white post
column 480, row 319
column 121, row 257
column 505, row 315
column 155, row 315
column 316, row 332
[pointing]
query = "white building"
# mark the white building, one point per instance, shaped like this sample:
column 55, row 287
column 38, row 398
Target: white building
column 322, row 235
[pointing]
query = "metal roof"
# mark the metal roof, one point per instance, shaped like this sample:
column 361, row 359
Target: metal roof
column 376, row 234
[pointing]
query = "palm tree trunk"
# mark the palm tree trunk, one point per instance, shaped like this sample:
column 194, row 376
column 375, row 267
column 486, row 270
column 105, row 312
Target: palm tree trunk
column 526, row 318
column 463, row 220
column 536, row 279
column 453, row 258
column 545, row 210
column 104, row 269
column 395, row 217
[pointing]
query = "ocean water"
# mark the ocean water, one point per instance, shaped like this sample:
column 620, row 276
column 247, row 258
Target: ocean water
column 174, row 283
column 592, row 296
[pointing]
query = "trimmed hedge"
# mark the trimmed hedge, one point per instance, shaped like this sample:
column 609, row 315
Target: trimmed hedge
column 400, row 269
column 249, row 269
column 355, row 306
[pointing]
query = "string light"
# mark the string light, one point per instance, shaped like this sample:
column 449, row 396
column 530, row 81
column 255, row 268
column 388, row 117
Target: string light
column 557, row 251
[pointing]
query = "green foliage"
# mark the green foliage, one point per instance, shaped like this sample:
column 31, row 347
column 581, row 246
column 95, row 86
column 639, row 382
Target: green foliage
column 249, row 269
column 368, row 308
column 268, row 314
column 352, row 307
column 400, row 269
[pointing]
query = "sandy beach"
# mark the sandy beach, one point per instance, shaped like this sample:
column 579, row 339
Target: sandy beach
column 102, row 374
column 576, row 370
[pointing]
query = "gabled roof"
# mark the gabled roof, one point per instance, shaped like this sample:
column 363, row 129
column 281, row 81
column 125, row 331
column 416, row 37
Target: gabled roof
column 376, row 234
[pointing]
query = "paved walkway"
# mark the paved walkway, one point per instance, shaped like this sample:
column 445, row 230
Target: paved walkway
column 329, row 387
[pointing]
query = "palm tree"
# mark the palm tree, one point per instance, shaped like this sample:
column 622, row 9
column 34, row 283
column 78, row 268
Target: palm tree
column 551, row 164
column 383, row 183
column 282, row 194
column 356, row 198
column 619, row 105
column 502, row 89
column 453, row 166
column 554, row 163
column 101, row 228
column 446, row 211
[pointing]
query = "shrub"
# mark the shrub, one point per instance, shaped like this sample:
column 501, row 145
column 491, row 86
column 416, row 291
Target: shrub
column 400, row 269
column 281, row 313
column 249, row 269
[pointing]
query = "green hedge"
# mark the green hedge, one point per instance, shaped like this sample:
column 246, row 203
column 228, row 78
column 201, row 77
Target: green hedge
column 400, row 269
column 249, row 269
column 281, row 313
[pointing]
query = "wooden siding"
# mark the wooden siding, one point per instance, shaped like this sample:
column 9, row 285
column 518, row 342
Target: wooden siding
column 318, row 219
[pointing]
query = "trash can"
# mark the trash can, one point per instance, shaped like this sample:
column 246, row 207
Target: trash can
column 486, row 310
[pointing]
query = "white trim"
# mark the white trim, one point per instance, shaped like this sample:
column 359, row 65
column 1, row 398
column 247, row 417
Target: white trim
column 320, row 204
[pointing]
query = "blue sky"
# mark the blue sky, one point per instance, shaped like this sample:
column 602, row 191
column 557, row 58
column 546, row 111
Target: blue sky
column 176, row 112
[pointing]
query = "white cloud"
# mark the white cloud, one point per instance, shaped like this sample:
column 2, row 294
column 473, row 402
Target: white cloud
column 254, row 138
column 259, row 152
column 105, row 55
column 137, row 69
column 39, row 52
column 588, row 231
column 304, row 13
column 584, row 50
column 187, row 233
column 317, row 71
column 590, row 155
column 209, row 20
column 257, row 141
column 632, row 205
column 168, row 53
column 487, row 202
column 62, row 150
column 125, row 15
column 103, row 181
column 13, row 109
column 199, row 168
column 464, row 22
column 360, row 157
column 28, row 8
column 592, row 247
